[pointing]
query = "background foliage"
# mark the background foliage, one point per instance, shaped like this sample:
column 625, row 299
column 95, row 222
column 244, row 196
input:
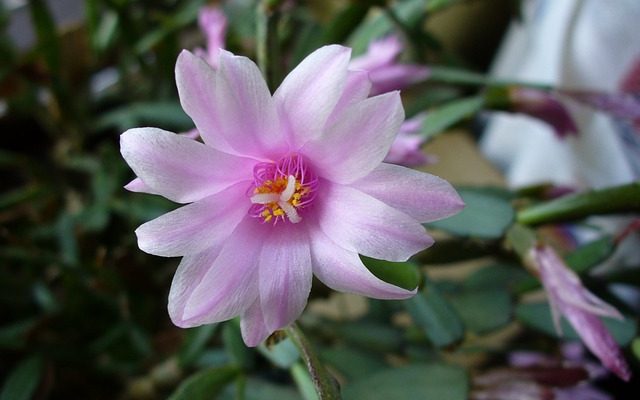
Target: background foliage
column 84, row 311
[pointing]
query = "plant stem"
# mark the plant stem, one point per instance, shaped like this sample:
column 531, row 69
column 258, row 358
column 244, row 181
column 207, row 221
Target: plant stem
column 326, row 387
column 615, row 200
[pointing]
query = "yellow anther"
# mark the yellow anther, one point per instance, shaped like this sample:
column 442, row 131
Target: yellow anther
column 278, row 213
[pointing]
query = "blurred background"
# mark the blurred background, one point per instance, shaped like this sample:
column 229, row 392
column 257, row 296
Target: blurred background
column 84, row 310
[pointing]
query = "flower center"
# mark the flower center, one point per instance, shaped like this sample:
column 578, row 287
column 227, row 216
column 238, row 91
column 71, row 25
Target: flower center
column 282, row 189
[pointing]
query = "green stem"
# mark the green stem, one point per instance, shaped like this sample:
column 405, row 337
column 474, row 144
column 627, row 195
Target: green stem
column 615, row 200
column 463, row 77
column 326, row 387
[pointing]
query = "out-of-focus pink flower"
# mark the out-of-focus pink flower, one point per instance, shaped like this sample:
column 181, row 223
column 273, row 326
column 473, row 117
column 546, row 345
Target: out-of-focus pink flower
column 569, row 298
column 545, row 107
column 284, row 186
column 630, row 83
column 538, row 376
column 213, row 23
column 385, row 72
column 406, row 148
column 625, row 106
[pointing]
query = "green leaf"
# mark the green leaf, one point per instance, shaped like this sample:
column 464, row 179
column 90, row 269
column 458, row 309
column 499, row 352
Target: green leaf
column 23, row 380
column 346, row 21
column 259, row 389
column 483, row 310
column 13, row 336
column 45, row 298
column 591, row 254
column 635, row 348
column 370, row 335
column 435, row 315
column 441, row 118
column 282, row 354
column 497, row 276
column 417, row 381
column 165, row 114
column 615, row 200
column 233, row 343
column 401, row 274
column 410, row 12
column 46, row 33
column 168, row 25
column 195, row 341
column 19, row 196
column 487, row 215
column 538, row 316
column 351, row 362
column 459, row 76
column 438, row 5
column 205, row 385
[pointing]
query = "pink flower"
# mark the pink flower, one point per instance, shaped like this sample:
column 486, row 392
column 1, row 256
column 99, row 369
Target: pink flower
column 568, row 297
column 284, row 186
column 213, row 23
column 543, row 106
column 385, row 72
column 406, row 148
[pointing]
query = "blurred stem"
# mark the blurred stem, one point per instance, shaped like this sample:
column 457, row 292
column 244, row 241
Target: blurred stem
column 615, row 200
column 267, row 49
column 408, row 32
column 325, row 385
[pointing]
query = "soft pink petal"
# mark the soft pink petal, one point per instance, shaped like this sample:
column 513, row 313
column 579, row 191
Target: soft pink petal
column 252, row 326
column 596, row 337
column 356, row 89
column 244, row 105
column 180, row 168
column 285, row 275
column 363, row 224
column 197, row 84
column 230, row 285
column 190, row 272
column 422, row 196
column 308, row 95
column 136, row 185
column 359, row 141
column 395, row 77
column 381, row 52
column 343, row 270
column 197, row 226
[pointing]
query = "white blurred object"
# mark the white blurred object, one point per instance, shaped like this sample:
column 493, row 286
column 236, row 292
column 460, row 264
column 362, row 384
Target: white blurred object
column 587, row 44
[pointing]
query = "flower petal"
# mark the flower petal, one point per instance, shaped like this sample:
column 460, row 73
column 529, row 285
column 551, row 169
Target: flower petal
column 230, row 285
column 422, row 196
column 363, row 224
column 136, row 185
column 252, row 326
column 356, row 89
column 197, row 84
column 285, row 275
column 249, row 121
column 359, row 141
column 179, row 168
column 195, row 227
column 308, row 95
column 597, row 338
column 190, row 272
column 395, row 77
column 343, row 270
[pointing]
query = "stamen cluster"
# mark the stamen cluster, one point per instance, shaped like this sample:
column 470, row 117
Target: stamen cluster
column 281, row 189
